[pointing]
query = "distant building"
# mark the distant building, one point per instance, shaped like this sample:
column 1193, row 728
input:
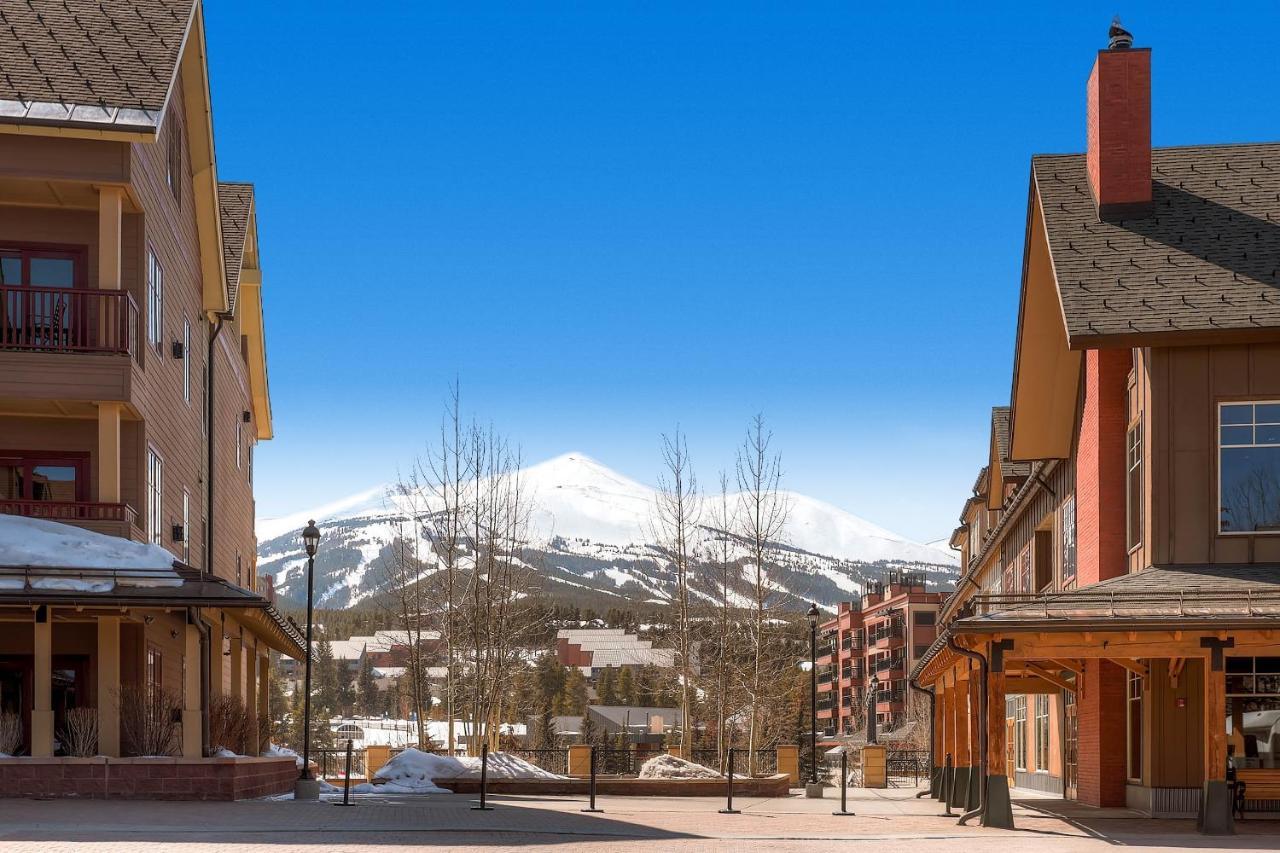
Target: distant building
column 593, row 649
column 642, row 725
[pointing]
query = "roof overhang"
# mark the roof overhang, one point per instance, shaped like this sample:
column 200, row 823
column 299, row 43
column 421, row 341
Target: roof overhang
column 1046, row 371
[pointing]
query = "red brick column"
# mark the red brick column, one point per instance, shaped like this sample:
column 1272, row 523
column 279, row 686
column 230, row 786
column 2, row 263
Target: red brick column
column 1101, row 719
column 1100, row 474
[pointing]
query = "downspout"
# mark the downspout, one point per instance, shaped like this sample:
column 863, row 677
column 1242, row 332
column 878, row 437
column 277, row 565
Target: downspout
column 206, row 641
column 933, row 723
column 982, row 731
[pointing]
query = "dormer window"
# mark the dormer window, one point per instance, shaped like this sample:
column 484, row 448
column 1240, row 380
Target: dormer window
column 1249, row 467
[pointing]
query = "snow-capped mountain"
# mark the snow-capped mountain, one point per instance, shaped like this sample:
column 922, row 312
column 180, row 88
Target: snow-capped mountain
column 592, row 541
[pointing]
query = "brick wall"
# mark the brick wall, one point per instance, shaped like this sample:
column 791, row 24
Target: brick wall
column 1119, row 128
column 147, row 778
column 1101, row 720
column 1100, row 474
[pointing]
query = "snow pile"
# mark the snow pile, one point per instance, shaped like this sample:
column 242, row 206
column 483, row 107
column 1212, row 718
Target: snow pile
column 273, row 751
column 503, row 766
column 411, row 772
column 223, row 752
column 671, row 767
column 33, row 543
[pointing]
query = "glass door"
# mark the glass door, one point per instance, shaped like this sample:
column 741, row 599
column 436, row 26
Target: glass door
column 1070, row 745
column 38, row 309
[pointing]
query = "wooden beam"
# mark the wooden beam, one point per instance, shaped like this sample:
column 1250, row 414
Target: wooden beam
column 1051, row 678
column 1074, row 665
column 1215, row 723
column 1133, row 666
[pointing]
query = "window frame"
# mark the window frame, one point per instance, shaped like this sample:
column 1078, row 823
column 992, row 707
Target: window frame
column 1217, row 461
column 29, row 459
column 155, row 496
column 1133, row 753
column 1042, row 732
column 1134, row 495
column 186, row 526
column 1068, row 581
column 186, row 360
column 155, row 300
column 1020, row 732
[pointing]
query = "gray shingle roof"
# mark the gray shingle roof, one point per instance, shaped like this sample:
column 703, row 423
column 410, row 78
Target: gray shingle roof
column 235, row 201
column 1000, row 435
column 1205, row 261
column 103, row 55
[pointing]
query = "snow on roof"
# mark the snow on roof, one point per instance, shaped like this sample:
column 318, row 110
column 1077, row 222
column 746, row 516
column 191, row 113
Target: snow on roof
column 86, row 561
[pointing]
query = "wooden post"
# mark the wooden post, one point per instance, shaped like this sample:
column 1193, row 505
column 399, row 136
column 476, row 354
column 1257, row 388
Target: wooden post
column 999, row 811
column 42, row 700
column 579, row 759
column 789, row 762
column 252, row 746
column 1215, row 801
column 192, row 736
column 963, row 758
column 108, row 682
column 264, row 698
column 948, row 727
column 108, row 480
column 975, row 739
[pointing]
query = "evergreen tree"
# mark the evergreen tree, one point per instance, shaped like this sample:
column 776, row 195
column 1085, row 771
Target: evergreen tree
column 367, row 699
column 573, row 695
column 545, row 736
column 606, row 693
column 590, row 732
column 324, row 684
column 293, row 738
column 626, row 687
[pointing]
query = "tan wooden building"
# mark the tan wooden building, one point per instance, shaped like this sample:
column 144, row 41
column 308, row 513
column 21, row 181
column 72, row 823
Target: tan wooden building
column 1115, row 634
column 133, row 377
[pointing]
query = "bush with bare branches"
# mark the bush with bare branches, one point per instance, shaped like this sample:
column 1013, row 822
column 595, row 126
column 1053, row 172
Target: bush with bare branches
column 229, row 726
column 149, row 719
column 79, row 733
column 10, row 734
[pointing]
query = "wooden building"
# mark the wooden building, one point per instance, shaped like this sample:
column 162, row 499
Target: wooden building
column 133, row 378
column 1115, row 634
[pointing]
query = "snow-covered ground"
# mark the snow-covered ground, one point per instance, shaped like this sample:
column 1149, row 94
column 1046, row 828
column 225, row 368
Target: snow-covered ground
column 673, row 767
column 413, row 772
column 33, row 543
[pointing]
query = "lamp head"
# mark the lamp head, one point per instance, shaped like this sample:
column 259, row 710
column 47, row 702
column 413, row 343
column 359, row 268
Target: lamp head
column 311, row 538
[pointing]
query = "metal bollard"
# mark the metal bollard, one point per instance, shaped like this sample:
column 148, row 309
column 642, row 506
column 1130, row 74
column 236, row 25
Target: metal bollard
column 729, row 809
column 346, row 784
column 591, row 786
column 844, row 786
column 948, row 779
column 484, row 779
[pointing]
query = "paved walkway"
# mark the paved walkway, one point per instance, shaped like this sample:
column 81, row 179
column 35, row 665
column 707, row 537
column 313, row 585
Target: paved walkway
column 891, row 818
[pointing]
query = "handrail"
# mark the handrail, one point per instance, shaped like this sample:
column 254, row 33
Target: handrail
column 62, row 319
column 70, row 510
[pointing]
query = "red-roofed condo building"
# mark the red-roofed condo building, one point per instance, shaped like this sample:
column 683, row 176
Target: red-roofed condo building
column 1116, row 628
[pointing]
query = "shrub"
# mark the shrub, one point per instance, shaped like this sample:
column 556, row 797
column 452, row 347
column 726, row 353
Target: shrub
column 149, row 720
column 79, row 734
column 10, row 733
column 229, row 725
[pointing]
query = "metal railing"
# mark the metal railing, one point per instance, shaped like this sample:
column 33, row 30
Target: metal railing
column 1108, row 603
column 331, row 762
column 70, row 510
column 551, row 760
column 913, row 763
column 62, row 319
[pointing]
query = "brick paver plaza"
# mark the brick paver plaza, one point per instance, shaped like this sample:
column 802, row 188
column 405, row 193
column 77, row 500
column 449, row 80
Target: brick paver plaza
column 886, row 820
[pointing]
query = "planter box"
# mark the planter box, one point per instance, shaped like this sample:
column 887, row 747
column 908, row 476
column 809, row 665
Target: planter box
column 764, row 786
column 147, row 778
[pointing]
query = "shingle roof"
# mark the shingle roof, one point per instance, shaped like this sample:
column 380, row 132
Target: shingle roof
column 1000, row 435
column 91, row 61
column 235, row 201
column 1205, row 261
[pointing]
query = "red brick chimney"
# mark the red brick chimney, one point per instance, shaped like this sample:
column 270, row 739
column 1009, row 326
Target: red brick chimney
column 1119, row 128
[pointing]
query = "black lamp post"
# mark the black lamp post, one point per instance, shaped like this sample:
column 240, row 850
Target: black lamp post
column 311, row 541
column 813, row 693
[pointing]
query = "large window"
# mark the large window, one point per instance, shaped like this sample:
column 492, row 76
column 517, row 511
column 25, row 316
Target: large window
column 155, row 300
column 1133, row 489
column 1253, row 711
column 1249, row 467
column 186, row 527
column 1042, row 733
column 1069, row 542
column 155, row 497
column 1020, row 731
column 186, row 361
column 1133, row 709
column 34, row 476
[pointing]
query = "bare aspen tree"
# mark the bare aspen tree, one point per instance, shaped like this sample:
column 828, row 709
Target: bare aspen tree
column 762, row 514
column 723, row 520
column 675, row 520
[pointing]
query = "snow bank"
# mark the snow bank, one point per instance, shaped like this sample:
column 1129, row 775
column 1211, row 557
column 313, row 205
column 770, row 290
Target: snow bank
column 414, row 772
column 671, row 767
column 34, row 543
column 223, row 752
column 273, row 751
column 503, row 766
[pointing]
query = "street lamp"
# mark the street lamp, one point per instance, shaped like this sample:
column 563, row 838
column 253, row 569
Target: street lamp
column 813, row 699
column 307, row 788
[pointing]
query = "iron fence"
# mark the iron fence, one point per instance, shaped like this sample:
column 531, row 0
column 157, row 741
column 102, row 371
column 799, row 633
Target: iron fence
column 913, row 763
column 611, row 761
column 331, row 762
column 551, row 760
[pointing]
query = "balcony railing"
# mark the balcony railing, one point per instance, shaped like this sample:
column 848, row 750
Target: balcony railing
column 60, row 319
column 70, row 510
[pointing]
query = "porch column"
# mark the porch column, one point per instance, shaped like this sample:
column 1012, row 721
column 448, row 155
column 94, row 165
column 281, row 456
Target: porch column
column 108, row 480
column 947, row 726
column 1215, row 802
column 264, row 704
column 999, row 811
column 192, row 736
column 237, row 667
column 217, row 660
column 939, row 748
column 110, row 207
column 975, row 739
column 251, row 698
column 964, row 764
column 109, row 685
column 42, row 700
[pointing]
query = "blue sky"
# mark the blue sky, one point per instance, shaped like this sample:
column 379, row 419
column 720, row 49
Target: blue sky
column 607, row 219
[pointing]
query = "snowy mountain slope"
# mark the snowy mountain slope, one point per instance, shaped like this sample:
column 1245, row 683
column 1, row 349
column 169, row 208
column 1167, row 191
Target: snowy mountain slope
column 592, row 539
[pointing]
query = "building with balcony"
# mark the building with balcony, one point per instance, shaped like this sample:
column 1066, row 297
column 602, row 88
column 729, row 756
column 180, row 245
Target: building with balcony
column 876, row 638
column 133, row 379
column 1113, row 637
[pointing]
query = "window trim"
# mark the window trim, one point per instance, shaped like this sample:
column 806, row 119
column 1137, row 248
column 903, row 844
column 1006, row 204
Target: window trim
column 1129, row 701
column 1065, row 581
column 186, row 360
column 155, row 306
column 1020, row 732
column 155, row 497
column 65, row 458
column 1042, row 726
column 1217, row 462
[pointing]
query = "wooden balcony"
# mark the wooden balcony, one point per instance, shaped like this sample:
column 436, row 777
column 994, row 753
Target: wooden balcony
column 111, row 519
column 60, row 319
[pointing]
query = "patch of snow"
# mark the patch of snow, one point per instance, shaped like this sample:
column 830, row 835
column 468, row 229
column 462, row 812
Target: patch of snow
column 223, row 752
column 672, row 767
column 412, row 772
column 273, row 751
column 34, row 543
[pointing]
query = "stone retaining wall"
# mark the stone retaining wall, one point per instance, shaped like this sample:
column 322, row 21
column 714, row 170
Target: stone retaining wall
column 147, row 778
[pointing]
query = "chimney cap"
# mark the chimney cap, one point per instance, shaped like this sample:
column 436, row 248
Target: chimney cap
column 1119, row 37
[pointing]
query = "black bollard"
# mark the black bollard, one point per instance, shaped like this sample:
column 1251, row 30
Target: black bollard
column 729, row 809
column 844, row 786
column 346, row 785
column 949, row 779
column 591, row 786
column 484, row 779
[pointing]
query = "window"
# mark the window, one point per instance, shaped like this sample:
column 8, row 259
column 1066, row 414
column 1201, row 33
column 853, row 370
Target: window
column 250, row 465
column 155, row 670
column 1043, row 560
column 1133, row 707
column 1069, row 542
column 239, row 440
column 925, row 617
column 239, row 570
column 186, row 361
column 186, row 527
column 155, row 494
column 155, row 301
column 1024, row 570
column 173, row 175
column 27, row 475
column 1249, row 467
column 1042, row 733
column 1020, row 731
column 1133, row 490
